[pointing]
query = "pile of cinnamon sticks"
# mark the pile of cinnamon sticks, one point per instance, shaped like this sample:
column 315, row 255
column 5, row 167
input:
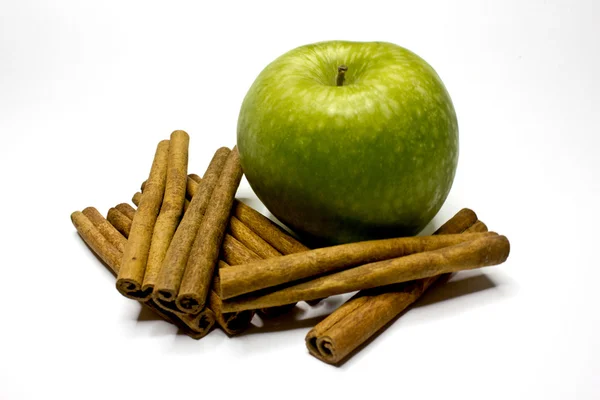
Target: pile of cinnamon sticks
column 198, row 257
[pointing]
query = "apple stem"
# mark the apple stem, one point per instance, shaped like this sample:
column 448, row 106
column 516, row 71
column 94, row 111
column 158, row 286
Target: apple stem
column 341, row 74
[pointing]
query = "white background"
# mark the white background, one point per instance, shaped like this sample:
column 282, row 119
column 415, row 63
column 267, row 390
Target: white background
column 87, row 89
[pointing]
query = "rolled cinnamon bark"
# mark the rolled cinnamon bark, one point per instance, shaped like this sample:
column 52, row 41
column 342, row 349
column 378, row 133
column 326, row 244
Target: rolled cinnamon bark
column 266, row 229
column 359, row 318
column 234, row 253
column 482, row 252
column 199, row 270
column 246, row 278
column 119, row 221
column 195, row 178
column 169, row 279
column 135, row 256
column 252, row 232
column 171, row 209
column 251, row 240
column 138, row 195
column 459, row 223
column 230, row 323
column 477, row 227
column 196, row 327
column 338, row 335
column 136, row 198
column 126, row 209
column 106, row 229
column 99, row 244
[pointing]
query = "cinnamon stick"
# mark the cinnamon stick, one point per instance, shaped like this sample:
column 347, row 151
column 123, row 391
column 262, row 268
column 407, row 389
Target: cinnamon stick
column 108, row 231
column 198, row 273
column 119, row 220
column 477, row 227
column 338, row 335
column 196, row 327
column 138, row 195
column 136, row 198
column 135, row 256
column 171, row 209
column 126, row 209
column 230, row 323
column 235, row 253
column 251, row 233
column 254, row 276
column 250, row 236
column 266, row 229
column 251, row 240
column 195, row 178
column 482, row 252
column 169, row 279
column 92, row 236
column 460, row 222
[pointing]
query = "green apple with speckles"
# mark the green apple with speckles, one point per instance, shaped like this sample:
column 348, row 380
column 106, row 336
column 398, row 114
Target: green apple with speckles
column 346, row 141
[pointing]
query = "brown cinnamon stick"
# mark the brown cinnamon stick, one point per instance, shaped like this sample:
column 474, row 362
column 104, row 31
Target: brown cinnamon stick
column 135, row 256
column 230, row 323
column 108, row 231
column 195, row 178
column 477, row 227
column 251, row 239
column 168, row 281
column 198, row 274
column 249, row 236
column 138, row 195
column 254, row 276
column 252, row 232
column 196, row 327
column 119, row 220
column 338, row 335
column 235, row 253
column 459, row 223
column 136, row 198
column 171, row 209
column 126, row 209
column 266, row 229
column 92, row 236
column 482, row 252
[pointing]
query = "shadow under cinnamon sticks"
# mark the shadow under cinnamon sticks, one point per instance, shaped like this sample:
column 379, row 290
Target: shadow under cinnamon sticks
column 449, row 289
column 293, row 319
column 285, row 322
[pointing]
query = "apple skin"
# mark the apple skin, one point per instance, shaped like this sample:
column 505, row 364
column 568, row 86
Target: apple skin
column 373, row 158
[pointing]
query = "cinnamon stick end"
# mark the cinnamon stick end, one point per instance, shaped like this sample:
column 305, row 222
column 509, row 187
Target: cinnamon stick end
column 237, row 322
column 190, row 303
column 131, row 289
column 321, row 348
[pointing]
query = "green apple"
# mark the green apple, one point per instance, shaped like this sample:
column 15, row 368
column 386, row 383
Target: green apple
column 345, row 141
